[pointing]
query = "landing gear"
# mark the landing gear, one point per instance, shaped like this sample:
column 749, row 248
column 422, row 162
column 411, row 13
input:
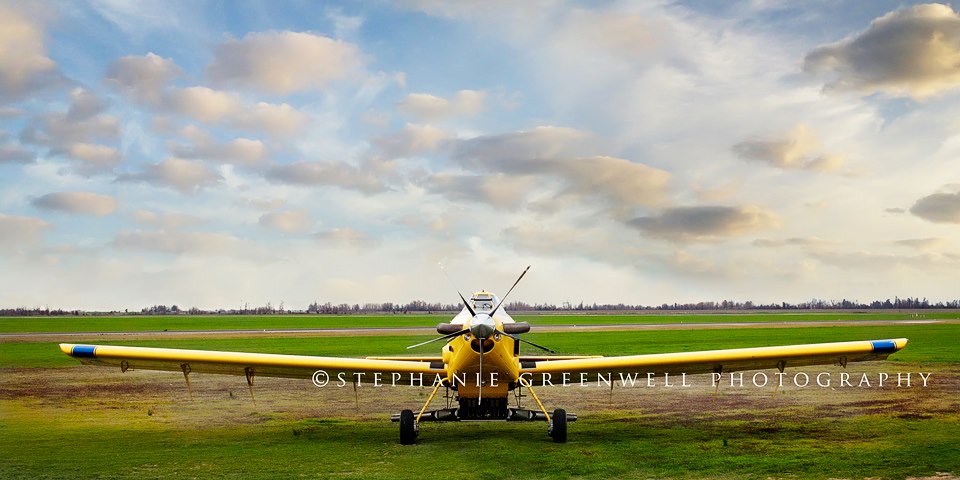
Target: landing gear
column 558, row 426
column 488, row 409
column 408, row 428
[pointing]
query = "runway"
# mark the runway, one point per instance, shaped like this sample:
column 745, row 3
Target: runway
column 387, row 331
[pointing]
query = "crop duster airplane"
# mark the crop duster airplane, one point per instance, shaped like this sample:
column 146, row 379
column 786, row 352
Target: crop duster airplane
column 481, row 363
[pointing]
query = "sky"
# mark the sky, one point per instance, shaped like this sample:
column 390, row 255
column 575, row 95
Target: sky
column 215, row 154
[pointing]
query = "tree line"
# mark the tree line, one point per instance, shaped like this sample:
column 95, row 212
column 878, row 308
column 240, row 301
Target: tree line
column 419, row 306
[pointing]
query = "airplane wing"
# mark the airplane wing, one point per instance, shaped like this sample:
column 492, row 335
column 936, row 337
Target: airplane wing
column 250, row 364
column 711, row 361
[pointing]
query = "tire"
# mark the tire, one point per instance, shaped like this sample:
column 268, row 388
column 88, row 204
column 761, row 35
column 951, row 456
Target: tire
column 408, row 428
column 558, row 426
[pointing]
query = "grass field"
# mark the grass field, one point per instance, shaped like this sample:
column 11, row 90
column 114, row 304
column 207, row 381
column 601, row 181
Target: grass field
column 259, row 322
column 60, row 420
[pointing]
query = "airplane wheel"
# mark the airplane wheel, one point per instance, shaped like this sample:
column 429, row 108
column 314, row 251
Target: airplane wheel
column 408, row 429
column 558, row 426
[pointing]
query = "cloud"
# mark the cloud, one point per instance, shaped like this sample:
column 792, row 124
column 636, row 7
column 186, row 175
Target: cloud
column 412, row 140
column 214, row 106
column 93, row 157
column 277, row 120
column 142, row 77
column 704, row 223
column 629, row 36
column 912, row 51
column 334, row 174
column 203, row 103
column 242, row 152
column 14, row 153
column 177, row 243
column 83, row 121
column 345, row 237
column 281, row 63
column 516, row 152
column 294, row 221
column 78, row 133
column 424, row 106
column 187, row 176
column 938, row 208
column 797, row 150
column 85, row 203
column 16, row 230
column 557, row 153
column 923, row 244
column 84, row 105
column 793, row 242
column 499, row 190
column 165, row 221
column 25, row 67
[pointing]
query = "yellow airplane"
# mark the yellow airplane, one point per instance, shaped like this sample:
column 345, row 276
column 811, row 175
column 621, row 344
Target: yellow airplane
column 481, row 363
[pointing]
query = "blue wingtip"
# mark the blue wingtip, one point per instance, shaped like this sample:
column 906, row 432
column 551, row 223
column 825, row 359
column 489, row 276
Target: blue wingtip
column 84, row 351
column 884, row 346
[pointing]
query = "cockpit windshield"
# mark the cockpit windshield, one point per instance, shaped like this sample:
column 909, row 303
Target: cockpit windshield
column 483, row 305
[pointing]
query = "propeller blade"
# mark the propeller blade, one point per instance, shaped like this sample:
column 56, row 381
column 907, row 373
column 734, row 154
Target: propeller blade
column 445, row 337
column 508, row 291
column 465, row 304
column 517, row 338
column 480, row 386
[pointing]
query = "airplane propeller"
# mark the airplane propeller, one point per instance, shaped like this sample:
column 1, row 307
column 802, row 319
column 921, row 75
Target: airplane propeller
column 445, row 337
column 482, row 326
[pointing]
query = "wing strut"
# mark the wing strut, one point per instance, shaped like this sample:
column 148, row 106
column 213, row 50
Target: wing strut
column 186, row 376
column 248, row 371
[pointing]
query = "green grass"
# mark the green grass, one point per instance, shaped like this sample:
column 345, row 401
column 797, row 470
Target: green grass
column 58, row 434
column 928, row 342
column 260, row 322
column 614, row 445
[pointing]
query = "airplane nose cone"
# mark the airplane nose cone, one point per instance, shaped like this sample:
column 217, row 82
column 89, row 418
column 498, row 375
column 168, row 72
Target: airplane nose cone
column 482, row 326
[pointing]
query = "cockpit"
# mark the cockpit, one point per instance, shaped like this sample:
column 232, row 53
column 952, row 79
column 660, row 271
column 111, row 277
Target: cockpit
column 483, row 302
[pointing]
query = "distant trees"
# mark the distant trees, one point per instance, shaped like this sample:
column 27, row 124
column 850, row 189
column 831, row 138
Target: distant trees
column 419, row 306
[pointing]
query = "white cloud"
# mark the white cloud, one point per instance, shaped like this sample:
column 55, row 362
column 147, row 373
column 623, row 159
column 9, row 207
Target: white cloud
column 283, row 62
column 24, row 65
column 412, row 140
column 912, row 51
column 556, row 154
column 14, row 153
column 93, row 157
column 242, row 152
column 203, row 103
column 277, row 120
column 799, row 149
column 85, row 203
column 499, row 190
column 425, row 106
column 176, row 242
column 334, row 174
column 923, row 244
column 165, row 221
column 142, row 77
column 17, row 230
column 294, row 221
column 214, row 106
column 188, row 176
column 345, row 238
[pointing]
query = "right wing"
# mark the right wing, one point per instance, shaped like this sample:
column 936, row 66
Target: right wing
column 713, row 361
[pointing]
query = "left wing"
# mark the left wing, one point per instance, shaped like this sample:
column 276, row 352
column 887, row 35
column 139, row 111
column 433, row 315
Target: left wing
column 249, row 364
column 713, row 361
